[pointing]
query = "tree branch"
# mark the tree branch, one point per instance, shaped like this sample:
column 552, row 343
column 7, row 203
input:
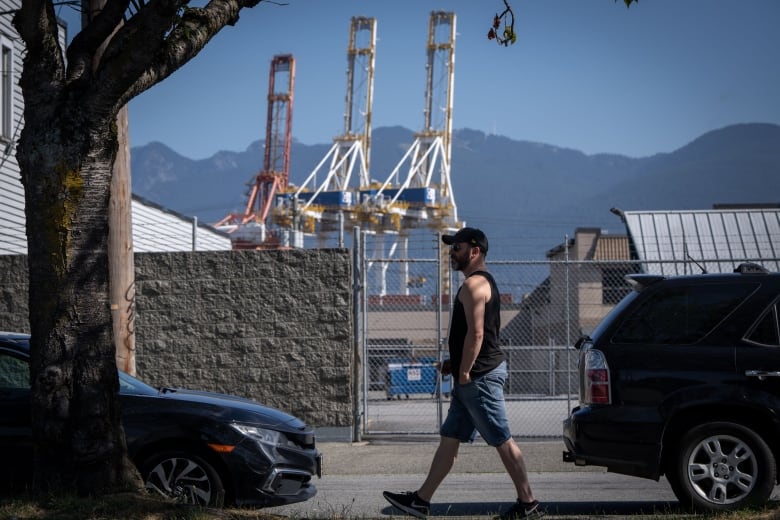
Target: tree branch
column 156, row 42
column 84, row 47
column 132, row 50
column 44, row 67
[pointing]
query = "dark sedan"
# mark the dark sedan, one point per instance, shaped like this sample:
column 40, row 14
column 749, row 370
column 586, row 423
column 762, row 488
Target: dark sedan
column 197, row 447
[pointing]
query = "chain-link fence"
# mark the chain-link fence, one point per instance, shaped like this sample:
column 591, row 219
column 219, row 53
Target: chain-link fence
column 546, row 306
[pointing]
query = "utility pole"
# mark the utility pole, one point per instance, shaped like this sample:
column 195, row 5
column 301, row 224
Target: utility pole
column 121, row 266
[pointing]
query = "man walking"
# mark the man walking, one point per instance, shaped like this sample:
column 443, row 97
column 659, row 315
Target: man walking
column 478, row 367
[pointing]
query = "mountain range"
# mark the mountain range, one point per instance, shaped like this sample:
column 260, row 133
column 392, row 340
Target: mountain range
column 519, row 191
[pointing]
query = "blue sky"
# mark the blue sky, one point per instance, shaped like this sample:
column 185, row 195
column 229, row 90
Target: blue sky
column 584, row 74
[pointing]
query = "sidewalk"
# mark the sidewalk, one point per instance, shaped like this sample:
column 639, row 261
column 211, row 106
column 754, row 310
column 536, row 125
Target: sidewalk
column 399, row 456
column 355, row 474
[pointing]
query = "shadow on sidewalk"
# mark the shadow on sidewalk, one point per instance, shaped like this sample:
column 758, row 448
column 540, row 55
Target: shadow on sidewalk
column 553, row 509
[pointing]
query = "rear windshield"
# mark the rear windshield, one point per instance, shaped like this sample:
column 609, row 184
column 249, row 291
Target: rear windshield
column 680, row 315
column 614, row 314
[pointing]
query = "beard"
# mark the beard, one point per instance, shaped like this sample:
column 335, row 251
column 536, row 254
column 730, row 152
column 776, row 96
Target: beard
column 459, row 264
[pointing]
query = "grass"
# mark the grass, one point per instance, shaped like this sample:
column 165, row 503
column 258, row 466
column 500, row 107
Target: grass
column 763, row 514
column 129, row 506
column 121, row 506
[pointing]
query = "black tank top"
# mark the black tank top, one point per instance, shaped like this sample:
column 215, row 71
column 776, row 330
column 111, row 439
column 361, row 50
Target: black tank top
column 490, row 355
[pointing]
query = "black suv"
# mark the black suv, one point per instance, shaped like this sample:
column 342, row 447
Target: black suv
column 682, row 379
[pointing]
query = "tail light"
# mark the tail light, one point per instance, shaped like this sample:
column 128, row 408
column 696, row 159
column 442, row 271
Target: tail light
column 595, row 387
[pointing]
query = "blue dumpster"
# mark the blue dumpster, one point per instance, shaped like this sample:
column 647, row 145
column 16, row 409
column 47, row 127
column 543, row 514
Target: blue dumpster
column 407, row 377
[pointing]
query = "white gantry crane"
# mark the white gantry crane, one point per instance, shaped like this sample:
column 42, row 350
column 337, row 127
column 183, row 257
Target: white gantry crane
column 418, row 192
column 326, row 198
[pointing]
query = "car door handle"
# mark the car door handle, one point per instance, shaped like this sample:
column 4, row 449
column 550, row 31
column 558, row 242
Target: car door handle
column 762, row 374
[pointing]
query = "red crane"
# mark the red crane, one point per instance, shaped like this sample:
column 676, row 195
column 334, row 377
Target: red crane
column 248, row 229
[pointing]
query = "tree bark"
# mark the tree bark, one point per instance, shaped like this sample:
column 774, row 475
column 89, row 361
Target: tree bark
column 75, row 409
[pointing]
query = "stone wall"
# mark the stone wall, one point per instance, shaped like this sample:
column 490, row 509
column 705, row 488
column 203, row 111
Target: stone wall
column 14, row 307
column 274, row 326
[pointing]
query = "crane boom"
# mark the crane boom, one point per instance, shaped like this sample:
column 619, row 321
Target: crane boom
column 248, row 229
column 320, row 202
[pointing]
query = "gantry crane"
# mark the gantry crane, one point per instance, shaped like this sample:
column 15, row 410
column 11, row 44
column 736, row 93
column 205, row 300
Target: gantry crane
column 418, row 192
column 423, row 195
column 249, row 229
column 318, row 206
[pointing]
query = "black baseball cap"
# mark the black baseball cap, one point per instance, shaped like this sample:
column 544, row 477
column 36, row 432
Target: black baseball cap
column 471, row 236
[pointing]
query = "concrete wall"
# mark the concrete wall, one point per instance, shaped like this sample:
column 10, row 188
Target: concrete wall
column 14, row 309
column 274, row 326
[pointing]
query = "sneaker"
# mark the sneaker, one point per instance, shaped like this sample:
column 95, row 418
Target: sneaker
column 522, row 510
column 409, row 502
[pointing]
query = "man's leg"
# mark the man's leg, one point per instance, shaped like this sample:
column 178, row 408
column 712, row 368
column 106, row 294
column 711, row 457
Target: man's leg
column 514, row 463
column 442, row 463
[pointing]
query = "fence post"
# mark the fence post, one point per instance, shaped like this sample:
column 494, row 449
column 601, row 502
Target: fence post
column 194, row 233
column 439, row 339
column 357, row 369
column 568, row 322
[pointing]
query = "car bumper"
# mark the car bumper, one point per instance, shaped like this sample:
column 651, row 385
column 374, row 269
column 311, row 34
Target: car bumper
column 284, row 477
column 628, row 447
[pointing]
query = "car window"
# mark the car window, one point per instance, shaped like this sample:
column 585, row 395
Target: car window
column 767, row 331
column 614, row 314
column 130, row 385
column 14, row 372
column 681, row 315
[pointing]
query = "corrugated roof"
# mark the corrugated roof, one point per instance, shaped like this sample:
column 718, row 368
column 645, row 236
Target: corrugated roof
column 611, row 247
column 593, row 244
column 674, row 242
column 157, row 229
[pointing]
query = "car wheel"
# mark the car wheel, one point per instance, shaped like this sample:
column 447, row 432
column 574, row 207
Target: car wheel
column 722, row 466
column 184, row 477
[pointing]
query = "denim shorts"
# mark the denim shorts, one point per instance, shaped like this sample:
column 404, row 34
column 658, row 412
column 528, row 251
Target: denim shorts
column 479, row 407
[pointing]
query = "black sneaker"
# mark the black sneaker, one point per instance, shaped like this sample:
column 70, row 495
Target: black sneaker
column 409, row 502
column 522, row 510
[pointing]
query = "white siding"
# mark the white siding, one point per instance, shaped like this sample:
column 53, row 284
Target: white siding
column 154, row 228
column 13, row 239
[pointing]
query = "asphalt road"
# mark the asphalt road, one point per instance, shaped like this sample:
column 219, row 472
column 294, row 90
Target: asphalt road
column 355, row 474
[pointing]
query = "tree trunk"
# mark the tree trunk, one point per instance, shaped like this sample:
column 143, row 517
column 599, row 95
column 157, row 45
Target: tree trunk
column 75, row 407
column 66, row 153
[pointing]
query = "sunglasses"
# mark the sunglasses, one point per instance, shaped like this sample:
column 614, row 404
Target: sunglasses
column 459, row 246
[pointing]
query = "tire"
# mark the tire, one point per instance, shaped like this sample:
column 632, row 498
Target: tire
column 185, row 477
column 722, row 466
